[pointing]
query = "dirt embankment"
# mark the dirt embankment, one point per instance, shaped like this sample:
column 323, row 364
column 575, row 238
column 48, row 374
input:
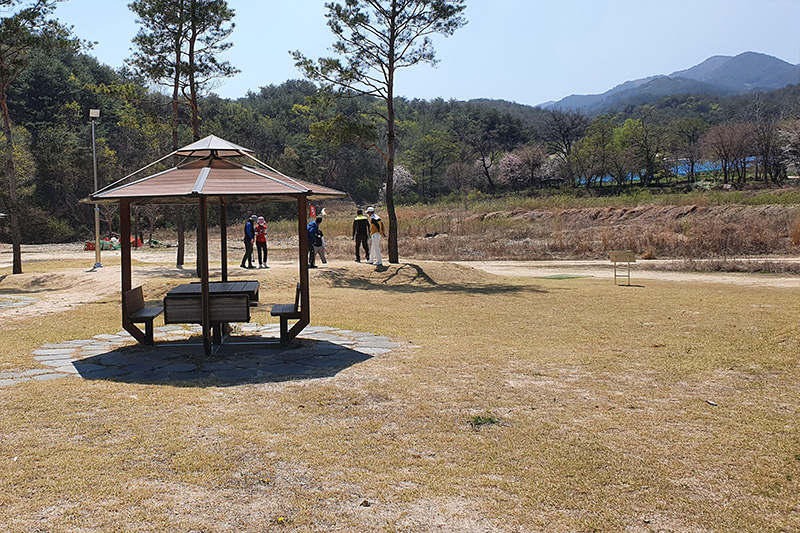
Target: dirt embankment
column 689, row 232
column 665, row 216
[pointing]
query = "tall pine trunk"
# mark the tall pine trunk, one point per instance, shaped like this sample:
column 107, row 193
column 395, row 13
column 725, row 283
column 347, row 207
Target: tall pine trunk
column 195, row 118
column 11, row 173
column 394, row 256
column 176, row 83
column 391, row 139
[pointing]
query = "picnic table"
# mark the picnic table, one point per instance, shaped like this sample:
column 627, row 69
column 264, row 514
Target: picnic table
column 229, row 301
column 219, row 288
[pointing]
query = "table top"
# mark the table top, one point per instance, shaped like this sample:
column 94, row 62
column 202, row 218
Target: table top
column 217, row 287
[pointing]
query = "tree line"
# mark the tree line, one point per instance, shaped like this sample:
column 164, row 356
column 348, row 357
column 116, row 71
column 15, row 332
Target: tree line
column 339, row 136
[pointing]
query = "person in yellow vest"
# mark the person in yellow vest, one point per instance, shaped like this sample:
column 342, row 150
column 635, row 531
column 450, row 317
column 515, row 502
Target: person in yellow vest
column 361, row 234
column 376, row 231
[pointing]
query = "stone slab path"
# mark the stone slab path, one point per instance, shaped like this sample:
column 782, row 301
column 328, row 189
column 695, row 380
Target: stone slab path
column 253, row 354
column 8, row 301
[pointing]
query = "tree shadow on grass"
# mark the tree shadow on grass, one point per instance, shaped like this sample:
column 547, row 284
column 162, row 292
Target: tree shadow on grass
column 36, row 286
column 410, row 278
column 238, row 361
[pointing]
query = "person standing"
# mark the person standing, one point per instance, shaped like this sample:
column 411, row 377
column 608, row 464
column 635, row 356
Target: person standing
column 361, row 234
column 376, row 232
column 313, row 228
column 249, row 237
column 320, row 246
column 261, row 242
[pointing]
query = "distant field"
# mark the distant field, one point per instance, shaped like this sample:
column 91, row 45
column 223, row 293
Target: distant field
column 519, row 404
column 710, row 231
column 739, row 231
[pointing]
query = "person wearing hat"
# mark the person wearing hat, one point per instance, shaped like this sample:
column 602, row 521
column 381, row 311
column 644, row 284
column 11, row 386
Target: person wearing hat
column 261, row 242
column 249, row 237
column 376, row 230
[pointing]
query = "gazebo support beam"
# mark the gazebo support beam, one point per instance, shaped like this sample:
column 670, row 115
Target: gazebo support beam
column 125, row 267
column 223, row 237
column 302, row 223
column 202, row 263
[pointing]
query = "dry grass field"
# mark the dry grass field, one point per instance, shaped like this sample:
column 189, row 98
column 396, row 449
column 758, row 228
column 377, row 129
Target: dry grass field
column 516, row 404
column 700, row 233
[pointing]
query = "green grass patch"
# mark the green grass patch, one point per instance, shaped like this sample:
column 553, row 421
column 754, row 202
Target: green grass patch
column 483, row 420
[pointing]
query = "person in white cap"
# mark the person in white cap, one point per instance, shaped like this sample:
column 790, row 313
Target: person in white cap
column 376, row 231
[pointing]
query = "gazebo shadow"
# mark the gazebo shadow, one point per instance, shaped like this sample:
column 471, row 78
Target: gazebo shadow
column 238, row 361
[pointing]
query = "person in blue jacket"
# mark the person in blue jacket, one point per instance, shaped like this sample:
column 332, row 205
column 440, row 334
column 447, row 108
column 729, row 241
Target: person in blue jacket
column 249, row 236
column 313, row 228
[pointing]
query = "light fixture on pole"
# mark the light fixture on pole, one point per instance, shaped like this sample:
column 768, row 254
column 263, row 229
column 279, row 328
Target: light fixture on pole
column 93, row 115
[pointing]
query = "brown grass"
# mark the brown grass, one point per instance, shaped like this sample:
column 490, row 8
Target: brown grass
column 722, row 232
column 599, row 394
column 698, row 232
column 795, row 236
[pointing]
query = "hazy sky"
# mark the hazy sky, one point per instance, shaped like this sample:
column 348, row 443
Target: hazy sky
column 527, row 51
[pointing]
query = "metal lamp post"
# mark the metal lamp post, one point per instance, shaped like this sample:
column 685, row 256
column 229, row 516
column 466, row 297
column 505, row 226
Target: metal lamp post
column 93, row 115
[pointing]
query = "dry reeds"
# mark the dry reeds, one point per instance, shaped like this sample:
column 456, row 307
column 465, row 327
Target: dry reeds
column 711, row 226
column 654, row 232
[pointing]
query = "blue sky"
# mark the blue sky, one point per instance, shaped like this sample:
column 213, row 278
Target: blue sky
column 527, row 51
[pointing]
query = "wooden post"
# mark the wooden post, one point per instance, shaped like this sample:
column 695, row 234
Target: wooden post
column 202, row 263
column 302, row 231
column 125, row 243
column 223, row 237
column 125, row 267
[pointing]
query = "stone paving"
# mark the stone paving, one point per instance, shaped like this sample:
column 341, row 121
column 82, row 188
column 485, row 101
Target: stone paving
column 7, row 301
column 253, row 354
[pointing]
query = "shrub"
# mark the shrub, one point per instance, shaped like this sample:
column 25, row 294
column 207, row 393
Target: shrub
column 795, row 235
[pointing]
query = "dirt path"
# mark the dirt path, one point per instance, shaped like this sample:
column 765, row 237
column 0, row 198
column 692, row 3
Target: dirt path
column 60, row 290
column 603, row 269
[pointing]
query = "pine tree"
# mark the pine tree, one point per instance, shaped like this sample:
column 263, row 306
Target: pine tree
column 376, row 38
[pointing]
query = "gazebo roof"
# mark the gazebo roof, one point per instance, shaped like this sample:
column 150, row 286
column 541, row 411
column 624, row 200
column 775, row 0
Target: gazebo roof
column 208, row 172
column 212, row 144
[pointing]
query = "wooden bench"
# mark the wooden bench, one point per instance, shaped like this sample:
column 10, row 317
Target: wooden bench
column 137, row 313
column 622, row 256
column 223, row 308
column 287, row 312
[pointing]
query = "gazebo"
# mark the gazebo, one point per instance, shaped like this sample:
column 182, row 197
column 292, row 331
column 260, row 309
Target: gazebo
column 209, row 174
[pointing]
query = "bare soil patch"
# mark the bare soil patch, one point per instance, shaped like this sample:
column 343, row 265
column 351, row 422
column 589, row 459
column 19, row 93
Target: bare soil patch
column 63, row 288
column 643, row 270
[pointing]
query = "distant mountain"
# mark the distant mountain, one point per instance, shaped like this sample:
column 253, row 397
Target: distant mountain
column 718, row 75
column 743, row 73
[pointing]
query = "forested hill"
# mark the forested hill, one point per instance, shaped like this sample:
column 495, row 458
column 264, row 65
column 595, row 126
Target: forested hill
column 521, row 111
column 446, row 148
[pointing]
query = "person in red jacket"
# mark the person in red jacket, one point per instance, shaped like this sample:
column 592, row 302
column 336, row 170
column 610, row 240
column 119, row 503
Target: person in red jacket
column 261, row 242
